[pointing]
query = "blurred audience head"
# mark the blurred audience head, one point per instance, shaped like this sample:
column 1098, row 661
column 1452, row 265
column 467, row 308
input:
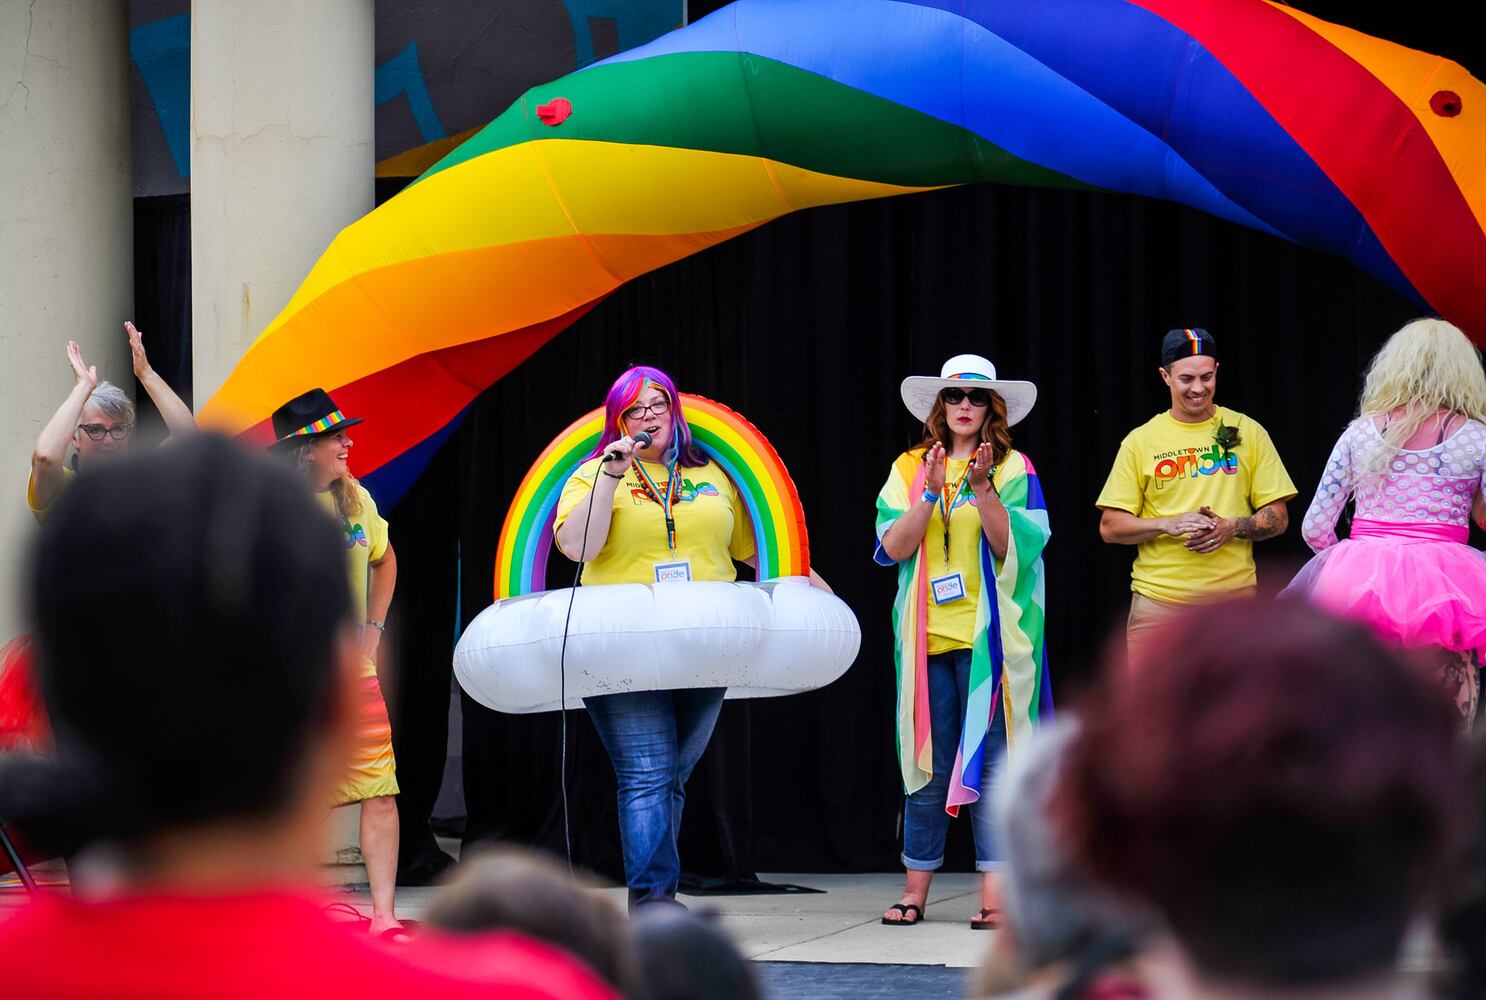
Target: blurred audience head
column 1282, row 788
column 684, row 955
column 520, row 890
column 190, row 613
column 1060, row 923
column 1463, row 924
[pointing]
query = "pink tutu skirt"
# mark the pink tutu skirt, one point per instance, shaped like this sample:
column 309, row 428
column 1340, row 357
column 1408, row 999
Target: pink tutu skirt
column 1414, row 584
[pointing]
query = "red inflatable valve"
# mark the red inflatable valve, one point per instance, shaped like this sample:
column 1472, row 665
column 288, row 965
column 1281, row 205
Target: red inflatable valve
column 556, row 112
column 1445, row 103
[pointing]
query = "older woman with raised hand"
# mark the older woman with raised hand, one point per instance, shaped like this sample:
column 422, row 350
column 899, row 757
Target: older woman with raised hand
column 1415, row 462
column 963, row 519
column 311, row 431
column 652, row 510
column 96, row 421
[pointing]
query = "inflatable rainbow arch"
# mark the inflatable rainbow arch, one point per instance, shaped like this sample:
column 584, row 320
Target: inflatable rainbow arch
column 1252, row 111
column 728, row 439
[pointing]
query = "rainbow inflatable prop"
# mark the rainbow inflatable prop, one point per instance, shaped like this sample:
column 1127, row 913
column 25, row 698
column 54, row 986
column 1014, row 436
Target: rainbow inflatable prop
column 1249, row 110
column 728, row 439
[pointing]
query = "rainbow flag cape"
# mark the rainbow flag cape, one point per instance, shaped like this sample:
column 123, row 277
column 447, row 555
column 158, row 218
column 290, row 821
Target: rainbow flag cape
column 1009, row 657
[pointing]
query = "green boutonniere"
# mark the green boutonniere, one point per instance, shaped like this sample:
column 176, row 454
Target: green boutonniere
column 1227, row 437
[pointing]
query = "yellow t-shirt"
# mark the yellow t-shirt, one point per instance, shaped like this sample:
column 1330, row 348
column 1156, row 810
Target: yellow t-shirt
column 1165, row 468
column 365, row 538
column 952, row 624
column 712, row 527
column 37, row 510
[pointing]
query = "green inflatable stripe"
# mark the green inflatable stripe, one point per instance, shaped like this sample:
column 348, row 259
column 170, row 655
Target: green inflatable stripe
column 702, row 100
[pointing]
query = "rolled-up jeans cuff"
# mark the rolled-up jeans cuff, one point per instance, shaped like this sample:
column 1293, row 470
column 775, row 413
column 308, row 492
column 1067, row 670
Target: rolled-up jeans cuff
column 923, row 866
column 990, row 866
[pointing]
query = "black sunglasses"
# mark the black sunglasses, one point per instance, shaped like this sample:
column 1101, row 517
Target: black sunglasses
column 978, row 397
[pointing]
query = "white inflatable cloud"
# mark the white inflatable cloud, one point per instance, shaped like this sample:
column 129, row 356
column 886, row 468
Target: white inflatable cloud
column 757, row 640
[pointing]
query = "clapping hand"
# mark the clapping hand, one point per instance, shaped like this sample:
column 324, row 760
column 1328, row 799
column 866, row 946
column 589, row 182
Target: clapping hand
column 136, row 348
column 1215, row 536
column 84, row 373
column 980, row 468
column 934, row 469
column 1191, row 523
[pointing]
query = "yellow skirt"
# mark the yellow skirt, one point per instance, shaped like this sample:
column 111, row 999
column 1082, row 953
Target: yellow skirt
column 373, row 771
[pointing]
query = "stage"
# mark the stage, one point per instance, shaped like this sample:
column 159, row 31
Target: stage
column 819, row 945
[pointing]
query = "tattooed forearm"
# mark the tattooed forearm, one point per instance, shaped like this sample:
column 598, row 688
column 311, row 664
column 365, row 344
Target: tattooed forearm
column 1265, row 523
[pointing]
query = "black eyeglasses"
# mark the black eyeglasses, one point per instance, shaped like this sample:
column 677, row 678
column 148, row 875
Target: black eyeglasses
column 98, row 432
column 955, row 396
column 659, row 408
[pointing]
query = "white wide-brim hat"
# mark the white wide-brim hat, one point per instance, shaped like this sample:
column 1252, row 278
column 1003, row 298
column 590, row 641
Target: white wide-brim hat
column 968, row 371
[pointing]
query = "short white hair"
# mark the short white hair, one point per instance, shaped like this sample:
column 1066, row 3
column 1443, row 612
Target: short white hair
column 111, row 402
column 1056, row 909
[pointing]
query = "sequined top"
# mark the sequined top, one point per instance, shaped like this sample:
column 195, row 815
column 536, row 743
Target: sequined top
column 1421, row 486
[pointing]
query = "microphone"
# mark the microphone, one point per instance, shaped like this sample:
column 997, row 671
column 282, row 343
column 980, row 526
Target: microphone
column 642, row 440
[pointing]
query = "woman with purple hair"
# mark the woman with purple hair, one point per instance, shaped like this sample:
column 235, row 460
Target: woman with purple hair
column 653, row 511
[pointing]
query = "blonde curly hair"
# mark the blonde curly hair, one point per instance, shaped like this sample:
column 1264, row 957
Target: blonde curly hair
column 1427, row 367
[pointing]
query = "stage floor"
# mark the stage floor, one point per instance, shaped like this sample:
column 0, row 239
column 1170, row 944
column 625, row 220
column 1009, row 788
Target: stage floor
column 839, row 925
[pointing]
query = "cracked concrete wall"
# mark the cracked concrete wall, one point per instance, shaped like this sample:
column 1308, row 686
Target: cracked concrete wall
column 281, row 159
column 66, row 230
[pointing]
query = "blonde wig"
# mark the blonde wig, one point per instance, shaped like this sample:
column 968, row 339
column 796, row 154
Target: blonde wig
column 1427, row 367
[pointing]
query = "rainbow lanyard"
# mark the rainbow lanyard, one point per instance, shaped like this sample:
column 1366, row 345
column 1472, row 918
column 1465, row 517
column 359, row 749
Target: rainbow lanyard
column 673, row 490
column 947, row 505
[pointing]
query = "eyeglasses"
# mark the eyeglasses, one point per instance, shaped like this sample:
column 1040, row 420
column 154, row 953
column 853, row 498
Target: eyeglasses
column 978, row 397
column 98, row 432
column 659, row 408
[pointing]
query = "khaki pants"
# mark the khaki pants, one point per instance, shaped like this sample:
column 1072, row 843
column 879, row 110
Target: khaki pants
column 1148, row 617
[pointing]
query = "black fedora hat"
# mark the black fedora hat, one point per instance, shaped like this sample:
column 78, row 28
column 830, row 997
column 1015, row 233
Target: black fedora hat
column 308, row 416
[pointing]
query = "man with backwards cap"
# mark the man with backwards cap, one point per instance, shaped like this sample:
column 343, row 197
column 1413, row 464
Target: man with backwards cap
column 1194, row 488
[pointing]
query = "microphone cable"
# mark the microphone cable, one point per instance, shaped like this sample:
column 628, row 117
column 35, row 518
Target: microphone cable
column 562, row 671
column 562, row 664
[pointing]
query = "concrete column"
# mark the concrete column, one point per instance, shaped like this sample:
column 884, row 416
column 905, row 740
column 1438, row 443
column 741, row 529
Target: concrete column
column 281, row 159
column 66, row 230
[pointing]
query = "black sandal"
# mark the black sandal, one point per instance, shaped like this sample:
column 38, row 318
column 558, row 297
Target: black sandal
column 986, row 920
column 903, row 921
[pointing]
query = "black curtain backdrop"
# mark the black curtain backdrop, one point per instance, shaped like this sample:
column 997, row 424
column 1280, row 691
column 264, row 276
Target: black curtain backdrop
column 807, row 326
column 162, row 297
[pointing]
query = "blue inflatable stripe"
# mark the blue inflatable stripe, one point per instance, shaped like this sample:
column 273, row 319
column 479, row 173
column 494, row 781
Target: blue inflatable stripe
column 1182, row 94
column 1019, row 104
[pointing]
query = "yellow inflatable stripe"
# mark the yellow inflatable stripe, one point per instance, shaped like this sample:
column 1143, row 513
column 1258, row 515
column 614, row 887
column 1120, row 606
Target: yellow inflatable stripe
column 430, row 303
column 1415, row 77
column 556, row 187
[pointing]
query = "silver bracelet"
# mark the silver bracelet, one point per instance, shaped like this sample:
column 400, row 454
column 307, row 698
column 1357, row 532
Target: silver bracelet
column 379, row 626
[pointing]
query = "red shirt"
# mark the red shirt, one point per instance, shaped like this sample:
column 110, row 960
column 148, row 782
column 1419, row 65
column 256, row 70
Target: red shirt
column 263, row 947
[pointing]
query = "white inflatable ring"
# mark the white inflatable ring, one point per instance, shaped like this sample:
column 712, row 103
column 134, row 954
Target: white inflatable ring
column 758, row 640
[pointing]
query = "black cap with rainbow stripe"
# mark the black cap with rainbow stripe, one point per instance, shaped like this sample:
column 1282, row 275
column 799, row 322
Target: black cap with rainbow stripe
column 1191, row 342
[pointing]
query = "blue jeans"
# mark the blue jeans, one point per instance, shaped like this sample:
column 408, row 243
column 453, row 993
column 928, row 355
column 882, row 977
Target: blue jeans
column 654, row 739
column 925, row 823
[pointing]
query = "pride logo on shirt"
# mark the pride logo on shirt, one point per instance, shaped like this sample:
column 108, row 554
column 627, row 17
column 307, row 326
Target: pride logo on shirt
column 1189, row 463
column 689, row 491
column 355, row 535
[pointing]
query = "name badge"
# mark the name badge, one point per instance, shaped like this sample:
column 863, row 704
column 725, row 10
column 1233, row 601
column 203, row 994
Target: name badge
column 675, row 572
column 948, row 588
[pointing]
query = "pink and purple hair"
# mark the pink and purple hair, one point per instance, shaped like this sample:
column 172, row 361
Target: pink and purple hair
column 622, row 395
